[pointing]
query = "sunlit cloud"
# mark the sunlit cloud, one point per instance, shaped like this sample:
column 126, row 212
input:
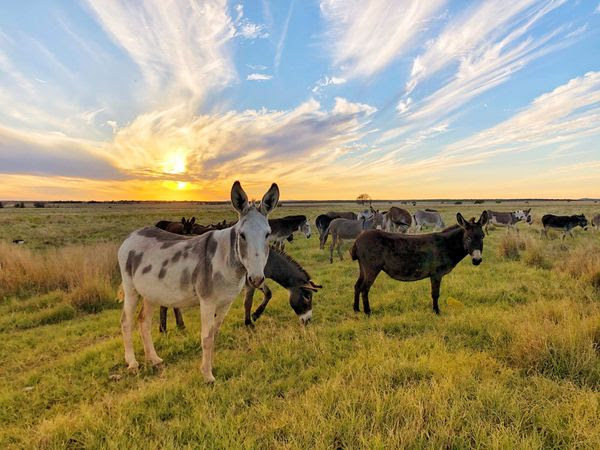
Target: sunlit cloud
column 367, row 36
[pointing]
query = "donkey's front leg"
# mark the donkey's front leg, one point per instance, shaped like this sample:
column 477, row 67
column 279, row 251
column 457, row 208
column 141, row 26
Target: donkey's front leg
column 207, row 312
column 266, row 298
column 435, row 292
column 248, row 299
column 220, row 313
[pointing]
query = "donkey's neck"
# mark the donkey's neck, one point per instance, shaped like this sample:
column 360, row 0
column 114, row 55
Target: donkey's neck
column 284, row 271
column 455, row 242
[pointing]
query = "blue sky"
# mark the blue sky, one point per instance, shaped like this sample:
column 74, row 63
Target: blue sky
column 400, row 99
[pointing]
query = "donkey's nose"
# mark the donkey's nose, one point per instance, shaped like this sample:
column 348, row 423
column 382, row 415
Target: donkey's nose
column 256, row 281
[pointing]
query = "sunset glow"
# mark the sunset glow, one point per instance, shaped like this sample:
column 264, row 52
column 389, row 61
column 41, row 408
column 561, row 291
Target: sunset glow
column 410, row 99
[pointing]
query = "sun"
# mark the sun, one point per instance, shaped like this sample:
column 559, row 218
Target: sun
column 175, row 162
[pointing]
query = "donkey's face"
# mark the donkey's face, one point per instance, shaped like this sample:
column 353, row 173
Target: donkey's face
column 305, row 228
column 473, row 236
column 252, row 231
column 301, row 300
column 583, row 223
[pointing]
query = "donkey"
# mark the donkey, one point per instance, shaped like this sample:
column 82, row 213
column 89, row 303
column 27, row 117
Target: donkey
column 397, row 219
column 346, row 229
column 286, row 272
column 596, row 221
column 183, row 227
column 178, row 271
column 284, row 227
column 507, row 219
column 565, row 223
column 415, row 257
column 323, row 220
column 428, row 219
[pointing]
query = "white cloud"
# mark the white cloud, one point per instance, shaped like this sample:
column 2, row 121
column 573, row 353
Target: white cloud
column 258, row 77
column 246, row 28
column 328, row 81
column 256, row 67
column 367, row 36
column 179, row 47
column 488, row 42
column 567, row 115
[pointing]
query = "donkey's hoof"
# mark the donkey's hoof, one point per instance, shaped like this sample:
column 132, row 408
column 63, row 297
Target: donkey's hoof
column 133, row 366
column 209, row 378
column 255, row 316
column 156, row 361
column 248, row 323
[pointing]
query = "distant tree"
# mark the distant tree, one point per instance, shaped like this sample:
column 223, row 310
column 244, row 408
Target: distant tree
column 39, row 205
column 363, row 199
column 1, row 205
column 478, row 202
column 458, row 202
column 498, row 201
column 20, row 205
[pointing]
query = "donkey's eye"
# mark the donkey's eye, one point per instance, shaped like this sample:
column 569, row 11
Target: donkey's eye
column 243, row 236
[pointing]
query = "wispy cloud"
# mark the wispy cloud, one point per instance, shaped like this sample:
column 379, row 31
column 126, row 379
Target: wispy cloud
column 246, row 28
column 179, row 47
column 258, row 77
column 490, row 45
column 367, row 36
column 282, row 37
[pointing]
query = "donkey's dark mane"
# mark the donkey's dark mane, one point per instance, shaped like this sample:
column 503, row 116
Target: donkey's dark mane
column 290, row 259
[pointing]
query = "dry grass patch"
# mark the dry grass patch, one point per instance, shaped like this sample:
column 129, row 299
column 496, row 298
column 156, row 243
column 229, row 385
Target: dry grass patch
column 583, row 263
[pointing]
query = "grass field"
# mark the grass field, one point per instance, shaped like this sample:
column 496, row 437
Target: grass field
column 513, row 361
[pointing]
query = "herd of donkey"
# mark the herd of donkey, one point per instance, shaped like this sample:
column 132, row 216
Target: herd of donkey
column 181, row 264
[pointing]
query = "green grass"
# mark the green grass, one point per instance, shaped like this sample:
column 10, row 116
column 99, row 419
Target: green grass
column 513, row 361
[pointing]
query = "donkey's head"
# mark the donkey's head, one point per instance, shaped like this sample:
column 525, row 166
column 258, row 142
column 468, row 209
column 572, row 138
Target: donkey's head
column 582, row 221
column 252, row 231
column 188, row 225
column 301, row 300
column 473, row 236
column 305, row 228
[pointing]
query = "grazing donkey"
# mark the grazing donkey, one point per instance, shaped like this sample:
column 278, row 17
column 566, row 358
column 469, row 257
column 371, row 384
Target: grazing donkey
column 397, row 219
column 507, row 219
column 346, row 229
column 284, row 227
column 565, row 223
column 323, row 220
column 596, row 221
column 428, row 219
column 183, row 227
column 285, row 271
column 415, row 257
column 178, row 271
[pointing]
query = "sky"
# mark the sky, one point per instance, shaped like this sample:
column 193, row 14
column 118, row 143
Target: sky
column 175, row 100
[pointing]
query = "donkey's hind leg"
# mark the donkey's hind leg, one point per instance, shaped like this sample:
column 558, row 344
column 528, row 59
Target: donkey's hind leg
column 179, row 318
column 357, row 289
column 339, row 249
column 369, row 279
column 331, row 247
column 127, row 319
column 145, row 320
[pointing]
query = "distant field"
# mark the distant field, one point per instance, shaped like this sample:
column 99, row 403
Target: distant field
column 512, row 361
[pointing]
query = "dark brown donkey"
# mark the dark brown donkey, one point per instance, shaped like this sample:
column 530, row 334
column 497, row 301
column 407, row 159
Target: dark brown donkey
column 415, row 257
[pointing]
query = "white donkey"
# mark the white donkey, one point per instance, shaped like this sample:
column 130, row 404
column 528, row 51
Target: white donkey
column 209, row 270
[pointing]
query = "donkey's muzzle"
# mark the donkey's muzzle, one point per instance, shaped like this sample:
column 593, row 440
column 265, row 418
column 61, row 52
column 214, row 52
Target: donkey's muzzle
column 256, row 281
column 476, row 257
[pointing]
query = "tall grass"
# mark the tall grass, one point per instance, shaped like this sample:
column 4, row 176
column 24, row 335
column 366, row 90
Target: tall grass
column 87, row 273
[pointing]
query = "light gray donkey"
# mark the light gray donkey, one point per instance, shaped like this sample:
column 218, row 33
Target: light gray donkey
column 346, row 229
column 210, row 270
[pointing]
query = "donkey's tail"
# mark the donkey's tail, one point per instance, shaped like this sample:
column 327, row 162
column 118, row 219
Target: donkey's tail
column 121, row 293
column 353, row 253
column 324, row 236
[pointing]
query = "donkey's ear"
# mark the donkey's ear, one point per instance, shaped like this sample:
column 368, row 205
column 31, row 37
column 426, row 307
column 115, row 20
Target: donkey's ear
column 183, row 220
column 461, row 220
column 239, row 199
column 193, row 221
column 313, row 284
column 483, row 219
column 270, row 200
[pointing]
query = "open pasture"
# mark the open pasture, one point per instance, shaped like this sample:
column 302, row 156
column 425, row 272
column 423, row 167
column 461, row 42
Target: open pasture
column 513, row 360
